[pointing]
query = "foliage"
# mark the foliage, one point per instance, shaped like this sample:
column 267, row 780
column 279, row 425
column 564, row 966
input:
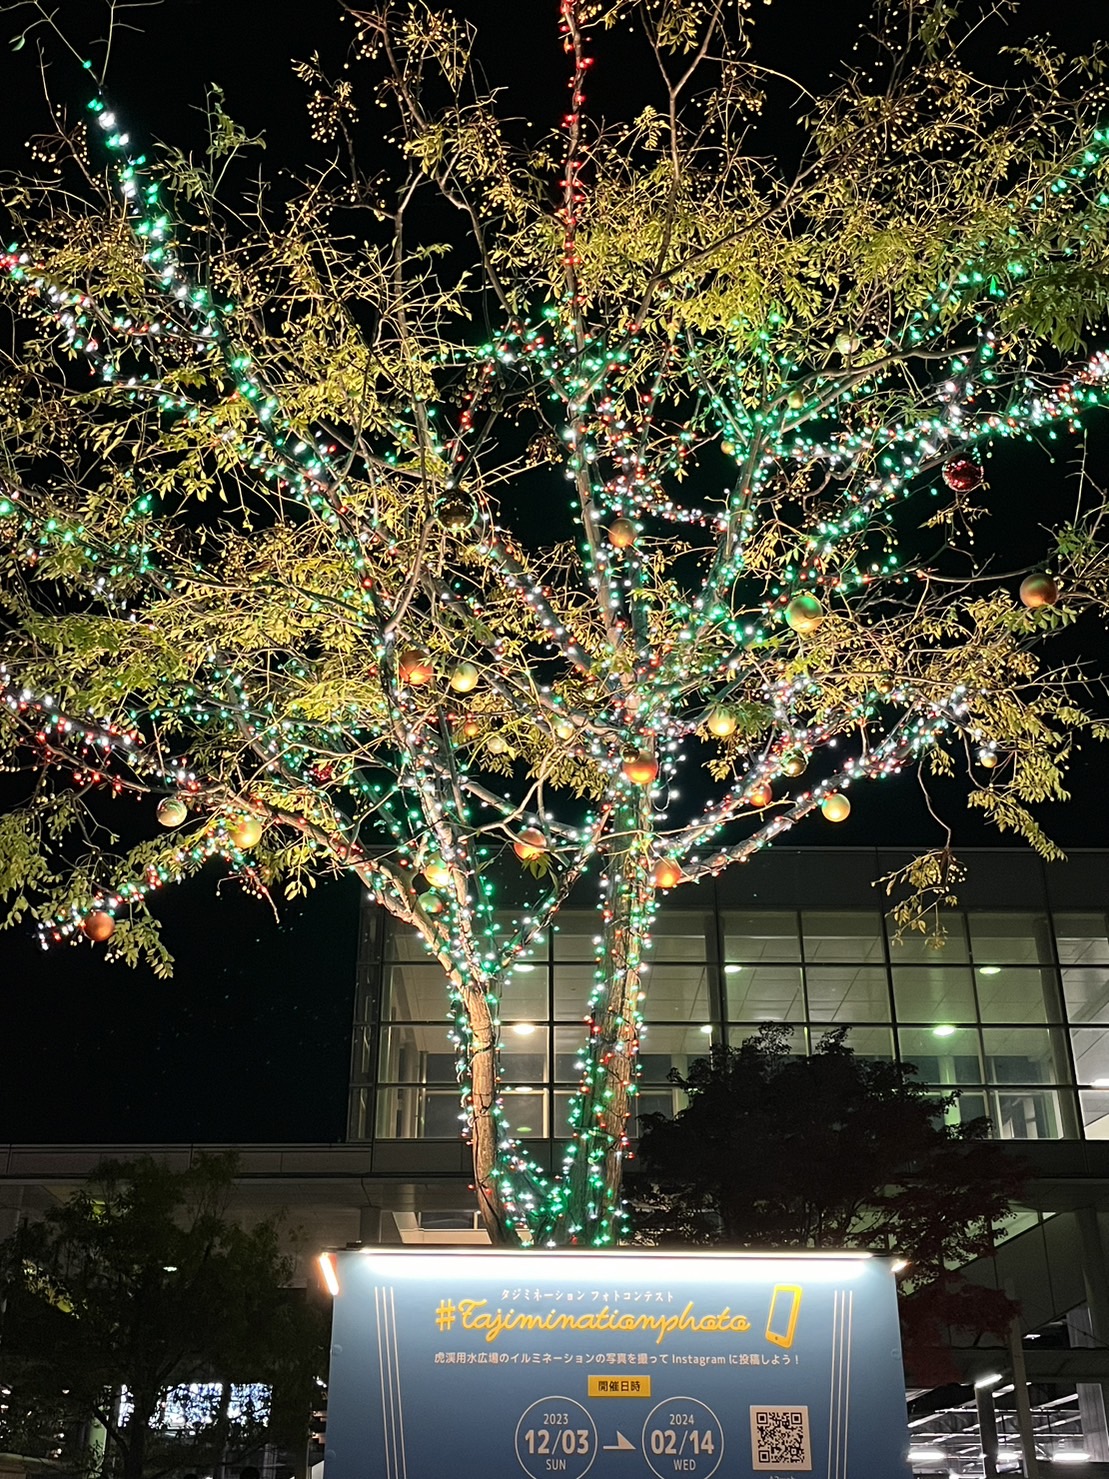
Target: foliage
column 141, row 1281
column 776, row 1150
column 268, row 489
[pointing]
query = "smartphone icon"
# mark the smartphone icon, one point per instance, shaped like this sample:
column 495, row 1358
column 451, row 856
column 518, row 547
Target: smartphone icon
column 782, row 1319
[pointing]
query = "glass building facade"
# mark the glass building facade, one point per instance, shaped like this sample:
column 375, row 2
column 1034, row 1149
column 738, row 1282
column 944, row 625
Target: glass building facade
column 1009, row 1005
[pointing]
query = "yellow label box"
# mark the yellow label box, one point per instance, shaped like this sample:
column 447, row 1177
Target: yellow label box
column 619, row 1386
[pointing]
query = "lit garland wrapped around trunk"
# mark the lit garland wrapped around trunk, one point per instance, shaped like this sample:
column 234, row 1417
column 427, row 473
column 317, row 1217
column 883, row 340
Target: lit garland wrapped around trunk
column 375, row 661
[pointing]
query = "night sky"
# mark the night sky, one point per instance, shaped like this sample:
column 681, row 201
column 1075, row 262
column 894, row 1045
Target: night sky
column 249, row 1039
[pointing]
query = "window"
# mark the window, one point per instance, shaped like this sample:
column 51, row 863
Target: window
column 1090, row 1047
column 1010, row 939
column 946, row 948
column 761, row 935
column 1021, row 1055
column 1086, row 993
column 1016, row 994
column 867, row 1042
column 933, row 993
column 764, row 993
column 948, row 1057
column 848, row 993
column 1081, row 939
column 842, row 937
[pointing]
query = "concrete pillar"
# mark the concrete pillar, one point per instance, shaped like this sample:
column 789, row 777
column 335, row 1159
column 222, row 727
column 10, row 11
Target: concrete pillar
column 1093, row 1401
column 987, row 1427
column 1023, row 1406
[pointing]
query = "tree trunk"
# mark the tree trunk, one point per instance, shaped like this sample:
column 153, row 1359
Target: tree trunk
column 481, row 1056
column 133, row 1446
column 589, row 1209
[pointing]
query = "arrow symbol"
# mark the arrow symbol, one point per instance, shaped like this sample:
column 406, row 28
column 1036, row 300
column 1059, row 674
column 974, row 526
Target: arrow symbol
column 620, row 1446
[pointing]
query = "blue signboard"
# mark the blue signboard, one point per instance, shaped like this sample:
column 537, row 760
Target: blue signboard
column 447, row 1365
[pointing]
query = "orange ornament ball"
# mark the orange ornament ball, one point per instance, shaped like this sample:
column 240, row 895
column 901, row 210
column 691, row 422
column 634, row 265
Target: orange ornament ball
column 836, row 808
column 760, row 796
column 621, row 533
column 666, row 873
column 529, row 844
column 99, row 925
column 414, row 667
column 1038, row 590
column 641, row 769
column 471, row 729
column 437, row 873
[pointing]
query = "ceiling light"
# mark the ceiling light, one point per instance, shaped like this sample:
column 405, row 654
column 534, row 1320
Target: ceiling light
column 707, row 1030
column 989, row 970
column 523, row 967
column 944, row 1030
column 926, row 1455
column 732, row 970
column 990, row 1380
column 1099, row 1083
column 523, row 1029
column 1071, row 1456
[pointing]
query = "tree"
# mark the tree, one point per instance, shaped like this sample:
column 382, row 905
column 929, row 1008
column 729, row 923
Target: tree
column 333, row 580
column 135, row 1288
column 776, row 1150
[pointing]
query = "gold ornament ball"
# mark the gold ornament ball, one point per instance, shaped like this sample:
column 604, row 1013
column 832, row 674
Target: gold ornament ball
column 98, row 926
column 794, row 764
column 721, row 723
column 457, row 515
column 848, row 343
column 430, row 903
column 1038, row 590
column 884, row 685
column 437, row 873
column 728, row 448
column 666, row 873
column 641, row 769
column 760, row 796
column 564, row 729
column 796, row 400
column 496, row 744
column 836, row 808
column 804, row 614
column 245, row 832
column 530, row 844
column 464, row 678
column 414, row 667
column 621, row 533
column 172, row 811
column 987, row 758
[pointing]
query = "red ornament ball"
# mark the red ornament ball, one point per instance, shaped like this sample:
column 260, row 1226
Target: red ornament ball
column 760, row 796
column 1038, row 590
column 641, row 769
column 99, row 925
column 530, row 844
column 414, row 667
column 621, row 533
column 666, row 873
column 962, row 474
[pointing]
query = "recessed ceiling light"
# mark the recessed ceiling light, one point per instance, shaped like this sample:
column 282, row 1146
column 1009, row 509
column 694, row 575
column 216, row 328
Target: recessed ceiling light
column 707, row 1030
column 926, row 1455
column 523, row 1029
column 1099, row 1083
column 944, row 1030
column 523, row 967
column 989, row 970
column 732, row 970
column 1071, row 1456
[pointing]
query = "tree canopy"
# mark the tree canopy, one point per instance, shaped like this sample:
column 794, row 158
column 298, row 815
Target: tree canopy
column 775, row 1149
column 611, row 531
column 131, row 1291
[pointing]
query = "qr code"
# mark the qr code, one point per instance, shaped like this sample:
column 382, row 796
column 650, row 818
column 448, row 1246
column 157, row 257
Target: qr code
column 780, row 1439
